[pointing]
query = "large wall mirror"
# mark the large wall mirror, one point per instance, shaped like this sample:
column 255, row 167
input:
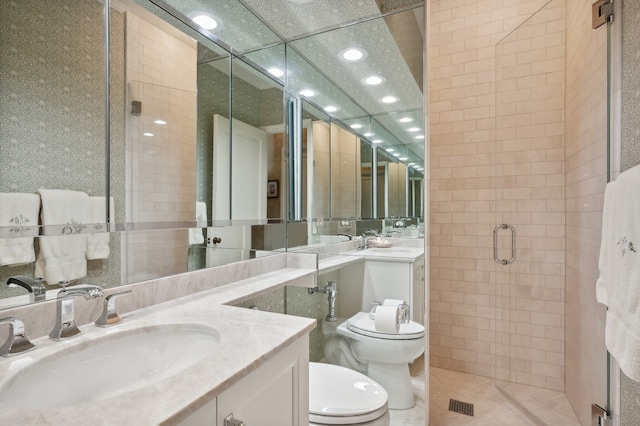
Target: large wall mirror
column 192, row 149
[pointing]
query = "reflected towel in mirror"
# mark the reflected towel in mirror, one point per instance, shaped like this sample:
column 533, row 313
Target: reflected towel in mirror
column 63, row 257
column 19, row 218
column 98, row 242
column 195, row 234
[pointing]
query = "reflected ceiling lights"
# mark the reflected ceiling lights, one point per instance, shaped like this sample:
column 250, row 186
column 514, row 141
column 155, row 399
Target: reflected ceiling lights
column 390, row 149
column 160, row 122
column 148, row 134
column 377, row 141
column 368, row 134
column 353, row 54
column 356, row 126
column 373, row 80
column 389, row 99
column 205, row 20
column 307, row 93
column 413, row 129
column 420, row 137
column 330, row 108
column 406, row 120
column 404, row 158
column 276, row 72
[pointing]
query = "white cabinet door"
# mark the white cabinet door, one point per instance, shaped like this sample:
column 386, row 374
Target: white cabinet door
column 276, row 394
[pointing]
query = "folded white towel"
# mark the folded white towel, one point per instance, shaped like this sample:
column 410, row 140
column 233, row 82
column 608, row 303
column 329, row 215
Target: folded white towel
column 63, row 258
column 618, row 285
column 98, row 241
column 195, row 234
column 19, row 218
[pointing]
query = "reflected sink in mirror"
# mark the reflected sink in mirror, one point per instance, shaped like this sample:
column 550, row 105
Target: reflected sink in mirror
column 109, row 366
column 392, row 249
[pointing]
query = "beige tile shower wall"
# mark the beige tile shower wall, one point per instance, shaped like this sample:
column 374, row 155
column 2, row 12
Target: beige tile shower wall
column 162, row 74
column 586, row 168
column 462, row 106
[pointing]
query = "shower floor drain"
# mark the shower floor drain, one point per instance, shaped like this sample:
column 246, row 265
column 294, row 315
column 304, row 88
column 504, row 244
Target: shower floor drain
column 461, row 407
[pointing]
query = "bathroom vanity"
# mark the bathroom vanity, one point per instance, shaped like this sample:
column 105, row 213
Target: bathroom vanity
column 256, row 370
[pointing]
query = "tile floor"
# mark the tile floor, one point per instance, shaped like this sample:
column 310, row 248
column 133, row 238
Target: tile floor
column 491, row 407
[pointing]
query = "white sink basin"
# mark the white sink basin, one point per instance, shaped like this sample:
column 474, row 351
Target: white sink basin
column 108, row 366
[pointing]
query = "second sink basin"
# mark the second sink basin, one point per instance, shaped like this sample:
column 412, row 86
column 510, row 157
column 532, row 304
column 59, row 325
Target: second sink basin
column 108, row 366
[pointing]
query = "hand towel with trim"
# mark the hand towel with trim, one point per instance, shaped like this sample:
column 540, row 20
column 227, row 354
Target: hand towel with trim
column 98, row 241
column 63, row 257
column 19, row 218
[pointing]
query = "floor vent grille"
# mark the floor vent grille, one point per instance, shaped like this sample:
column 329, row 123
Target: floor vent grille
column 461, row 407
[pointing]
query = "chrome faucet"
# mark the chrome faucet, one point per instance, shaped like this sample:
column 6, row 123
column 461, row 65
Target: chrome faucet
column 17, row 341
column 366, row 236
column 33, row 286
column 65, row 318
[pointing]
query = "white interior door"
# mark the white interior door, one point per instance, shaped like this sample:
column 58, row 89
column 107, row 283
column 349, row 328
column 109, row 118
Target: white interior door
column 239, row 171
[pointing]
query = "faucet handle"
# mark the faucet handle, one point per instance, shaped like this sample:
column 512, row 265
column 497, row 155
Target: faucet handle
column 17, row 341
column 109, row 315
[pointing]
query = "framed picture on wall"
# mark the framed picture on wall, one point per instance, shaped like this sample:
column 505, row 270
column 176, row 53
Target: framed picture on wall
column 272, row 189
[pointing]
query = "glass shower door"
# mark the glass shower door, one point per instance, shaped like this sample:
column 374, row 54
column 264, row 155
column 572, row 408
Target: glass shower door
column 529, row 207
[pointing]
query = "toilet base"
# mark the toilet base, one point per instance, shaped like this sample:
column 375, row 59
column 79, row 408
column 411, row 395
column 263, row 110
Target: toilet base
column 396, row 380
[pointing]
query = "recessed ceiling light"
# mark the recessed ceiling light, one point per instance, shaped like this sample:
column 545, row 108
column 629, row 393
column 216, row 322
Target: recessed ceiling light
column 377, row 141
column 330, row 108
column 404, row 158
column 406, row 120
column 412, row 164
column 205, row 20
column 148, row 134
column 160, row 122
column 413, row 129
column 390, row 149
column 368, row 134
column 420, row 137
column 307, row 93
column 276, row 72
column 356, row 126
column 388, row 99
column 395, row 154
column 373, row 80
column 353, row 54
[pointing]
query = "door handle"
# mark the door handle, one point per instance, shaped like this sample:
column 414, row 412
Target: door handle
column 513, row 244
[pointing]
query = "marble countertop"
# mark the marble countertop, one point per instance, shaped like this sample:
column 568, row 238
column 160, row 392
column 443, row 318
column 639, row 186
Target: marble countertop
column 248, row 338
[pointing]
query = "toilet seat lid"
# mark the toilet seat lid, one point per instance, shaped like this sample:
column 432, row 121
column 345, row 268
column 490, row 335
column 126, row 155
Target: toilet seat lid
column 362, row 324
column 336, row 391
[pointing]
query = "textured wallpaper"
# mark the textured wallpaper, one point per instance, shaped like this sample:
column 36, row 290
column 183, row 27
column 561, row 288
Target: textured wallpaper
column 630, row 390
column 52, row 107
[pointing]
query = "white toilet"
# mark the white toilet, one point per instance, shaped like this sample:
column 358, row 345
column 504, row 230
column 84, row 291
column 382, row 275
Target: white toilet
column 384, row 357
column 341, row 396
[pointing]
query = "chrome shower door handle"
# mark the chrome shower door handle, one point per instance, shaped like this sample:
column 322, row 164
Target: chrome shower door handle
column 495, row 244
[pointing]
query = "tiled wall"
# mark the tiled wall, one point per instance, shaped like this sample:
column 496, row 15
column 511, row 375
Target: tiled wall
column 161, row 72
column 586, row 176
column 480, row 177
